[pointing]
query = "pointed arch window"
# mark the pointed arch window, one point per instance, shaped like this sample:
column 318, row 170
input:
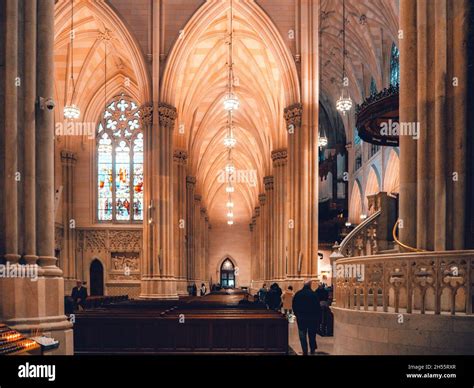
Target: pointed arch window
column 119, row 143
column 394, row 66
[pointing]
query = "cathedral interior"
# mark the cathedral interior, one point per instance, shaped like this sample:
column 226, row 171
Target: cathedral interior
column 172, row 159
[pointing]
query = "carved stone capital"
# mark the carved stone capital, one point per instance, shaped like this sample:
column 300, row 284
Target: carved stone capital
column 180, row 157
column 166, row 115
column 262, row 198
column 197, row 197
column 146, row 114
column 293, row 115
column 268, row 182
column 190, row 182
column 257, row 211
column 279, row 157
column 68, row 158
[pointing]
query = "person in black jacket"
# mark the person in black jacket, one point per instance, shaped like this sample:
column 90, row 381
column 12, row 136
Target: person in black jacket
column 79, row 295
column 308, row 314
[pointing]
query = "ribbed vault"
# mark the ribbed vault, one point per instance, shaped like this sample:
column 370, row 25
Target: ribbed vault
column 195, row 81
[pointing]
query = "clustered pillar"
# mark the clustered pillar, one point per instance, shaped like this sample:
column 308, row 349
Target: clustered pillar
column 434, row 84
column 29, row 175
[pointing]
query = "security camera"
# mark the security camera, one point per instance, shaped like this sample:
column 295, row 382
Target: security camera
column 47, row 103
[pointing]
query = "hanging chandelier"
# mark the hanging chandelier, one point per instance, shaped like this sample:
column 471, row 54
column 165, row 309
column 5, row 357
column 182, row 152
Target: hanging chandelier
column 231, row 101
column 230, row 204
column 72, row 111
column 230, row 141
column 344, row 103
column 230, row 168
column 230, row 214
column 322, row 141
column 230, row 222
column 229, row 189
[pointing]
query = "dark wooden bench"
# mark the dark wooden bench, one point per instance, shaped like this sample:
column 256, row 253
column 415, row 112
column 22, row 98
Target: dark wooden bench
column 150, row 327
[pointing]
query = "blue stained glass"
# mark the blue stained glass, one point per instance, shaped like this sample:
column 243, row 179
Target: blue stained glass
column 394, row 66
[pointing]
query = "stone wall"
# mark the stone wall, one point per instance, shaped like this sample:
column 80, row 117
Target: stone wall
column 377, row 333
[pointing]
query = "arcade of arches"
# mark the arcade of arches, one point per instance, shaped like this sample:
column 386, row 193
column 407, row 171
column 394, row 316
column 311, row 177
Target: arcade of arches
column 144, row 194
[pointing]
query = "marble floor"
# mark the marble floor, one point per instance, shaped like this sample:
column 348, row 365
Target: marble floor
column 325, row 344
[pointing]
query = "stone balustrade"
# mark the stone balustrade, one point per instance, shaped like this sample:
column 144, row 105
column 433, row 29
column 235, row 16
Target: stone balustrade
column 426, row 282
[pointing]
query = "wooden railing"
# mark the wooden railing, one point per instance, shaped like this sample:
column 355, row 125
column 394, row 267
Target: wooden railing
column 421, row 282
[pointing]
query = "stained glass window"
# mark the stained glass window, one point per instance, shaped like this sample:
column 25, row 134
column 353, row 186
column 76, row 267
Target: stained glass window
column 395, row 66
column 373, row 86
column 120, row 162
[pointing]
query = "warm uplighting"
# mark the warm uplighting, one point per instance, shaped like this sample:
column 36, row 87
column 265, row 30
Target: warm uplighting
column 71, row 112
column 231, row 102
column 230, row 141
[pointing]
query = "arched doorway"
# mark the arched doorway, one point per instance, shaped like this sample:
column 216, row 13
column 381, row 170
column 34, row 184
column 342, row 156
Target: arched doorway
column 227, row 274
column 97, row 278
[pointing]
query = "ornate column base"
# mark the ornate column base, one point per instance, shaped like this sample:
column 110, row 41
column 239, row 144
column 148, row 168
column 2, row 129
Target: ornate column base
column 182, row 286
column 48, row 264
column 159, row 288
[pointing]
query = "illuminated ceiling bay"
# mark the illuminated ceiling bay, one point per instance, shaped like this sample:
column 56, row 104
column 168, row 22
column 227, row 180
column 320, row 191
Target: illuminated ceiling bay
column 196, row 81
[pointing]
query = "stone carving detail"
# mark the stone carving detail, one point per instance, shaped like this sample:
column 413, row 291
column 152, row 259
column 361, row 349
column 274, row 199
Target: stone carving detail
column 68, row 158
column 166, row 115
column 279, row 157
column 58, row 237
column 410, row 283
column 180, row 157
column 125, row 240
column 190, row 182
column 95, row 240
column 146, row 114
column 197, row 197
column 268, row 182
column 125, row 261
column 262, row 198
column 293, row 115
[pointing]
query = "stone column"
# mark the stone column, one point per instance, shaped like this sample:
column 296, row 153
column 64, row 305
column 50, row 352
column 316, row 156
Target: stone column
column 29, row 154
column 408, row 106
column 279, row 158
column 190, row 253
column 258, row 245
column 197, row 237
column 434, row 88
column 160, row 282
column 179, row 217
column 68, row 160
column 263, row 235
column 203, row 245
column 270, row 238
column 10, row 179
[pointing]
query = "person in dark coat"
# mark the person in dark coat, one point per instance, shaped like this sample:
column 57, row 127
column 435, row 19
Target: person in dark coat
column 79, row 295
column 273, row 297
column 323, row 296
column 308, row 314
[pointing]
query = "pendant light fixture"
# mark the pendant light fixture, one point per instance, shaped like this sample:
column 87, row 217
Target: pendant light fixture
column 72, row 111
column 230, row 141
column 344, row 103
column 231, row 101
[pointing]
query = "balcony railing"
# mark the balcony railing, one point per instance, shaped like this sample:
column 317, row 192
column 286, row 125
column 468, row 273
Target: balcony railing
column 427, row 282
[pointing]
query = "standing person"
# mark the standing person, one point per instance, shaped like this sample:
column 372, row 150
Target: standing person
column 194, row 289
column 273, row 297
column 79, row 296
column 308, row 312
column 203, row 289
column 288, row 300
column 262, row 293
column 323, row 296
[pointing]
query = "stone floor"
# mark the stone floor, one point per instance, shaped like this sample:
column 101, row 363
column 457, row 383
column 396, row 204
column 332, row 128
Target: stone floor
column 325, row 344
